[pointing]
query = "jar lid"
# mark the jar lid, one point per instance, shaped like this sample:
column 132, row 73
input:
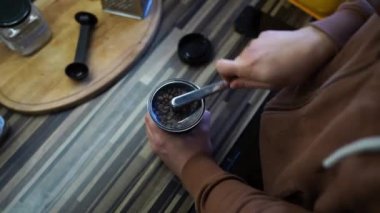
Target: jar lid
column 195, row 49
column 13, row 12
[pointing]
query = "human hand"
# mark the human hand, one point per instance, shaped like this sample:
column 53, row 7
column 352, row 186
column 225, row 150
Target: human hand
column 277, row 59
column 176, row 149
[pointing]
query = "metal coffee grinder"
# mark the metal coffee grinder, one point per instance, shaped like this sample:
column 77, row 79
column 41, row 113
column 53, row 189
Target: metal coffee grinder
column 137, row 9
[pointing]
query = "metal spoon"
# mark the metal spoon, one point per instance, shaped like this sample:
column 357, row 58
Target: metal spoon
column 198, row 94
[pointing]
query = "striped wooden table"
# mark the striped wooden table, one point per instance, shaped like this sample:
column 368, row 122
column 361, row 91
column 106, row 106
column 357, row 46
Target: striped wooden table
column 95, row 157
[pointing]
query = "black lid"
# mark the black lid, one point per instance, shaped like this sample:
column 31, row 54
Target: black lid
column 13, row 12
column 195, row 49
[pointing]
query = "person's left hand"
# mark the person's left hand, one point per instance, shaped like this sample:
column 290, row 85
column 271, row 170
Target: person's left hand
column 176, row 149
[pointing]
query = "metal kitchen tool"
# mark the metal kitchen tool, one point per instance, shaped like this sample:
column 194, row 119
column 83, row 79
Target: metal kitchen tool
column 198, row 94
column 168, row 119
column 137, row 9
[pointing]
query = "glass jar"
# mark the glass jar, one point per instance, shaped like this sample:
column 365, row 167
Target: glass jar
column 22, row 27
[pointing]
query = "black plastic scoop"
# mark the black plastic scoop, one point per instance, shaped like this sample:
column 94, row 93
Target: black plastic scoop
column 78, row 70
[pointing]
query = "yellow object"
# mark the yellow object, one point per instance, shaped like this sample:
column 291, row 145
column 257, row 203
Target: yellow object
column 317, row 8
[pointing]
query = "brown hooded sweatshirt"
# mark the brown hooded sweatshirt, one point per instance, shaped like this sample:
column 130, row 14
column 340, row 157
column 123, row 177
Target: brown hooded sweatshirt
column 304, row 130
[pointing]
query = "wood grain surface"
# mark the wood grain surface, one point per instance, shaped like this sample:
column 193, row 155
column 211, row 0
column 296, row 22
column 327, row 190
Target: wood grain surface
column 95, row 156
column 38, row 84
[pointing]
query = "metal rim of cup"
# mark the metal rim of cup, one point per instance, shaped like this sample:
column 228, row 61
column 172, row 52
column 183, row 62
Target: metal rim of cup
column 162, row 85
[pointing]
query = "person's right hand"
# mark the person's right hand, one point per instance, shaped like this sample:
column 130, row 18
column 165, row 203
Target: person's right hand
column 277, row 59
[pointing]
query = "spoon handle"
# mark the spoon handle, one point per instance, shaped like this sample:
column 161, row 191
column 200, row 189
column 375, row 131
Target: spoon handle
column 198, row 94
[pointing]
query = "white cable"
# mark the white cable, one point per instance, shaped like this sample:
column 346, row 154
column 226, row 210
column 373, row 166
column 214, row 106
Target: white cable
column 371, row 144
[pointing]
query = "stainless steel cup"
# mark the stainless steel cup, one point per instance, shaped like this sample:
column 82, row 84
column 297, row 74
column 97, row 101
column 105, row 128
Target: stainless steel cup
column 168, row 118
column 137, row 9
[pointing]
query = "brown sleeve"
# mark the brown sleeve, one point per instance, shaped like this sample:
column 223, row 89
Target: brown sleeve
column 217, row 191
column 376, row 5
column 349, row 17
column 353, row 186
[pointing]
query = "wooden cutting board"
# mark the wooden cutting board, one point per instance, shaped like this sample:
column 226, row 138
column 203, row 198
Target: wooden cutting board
column 38, row 83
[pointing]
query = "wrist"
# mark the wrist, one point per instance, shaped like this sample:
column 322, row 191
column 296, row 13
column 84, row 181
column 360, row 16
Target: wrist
column 322, row 43
column 197, row 171
column 321, row 47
